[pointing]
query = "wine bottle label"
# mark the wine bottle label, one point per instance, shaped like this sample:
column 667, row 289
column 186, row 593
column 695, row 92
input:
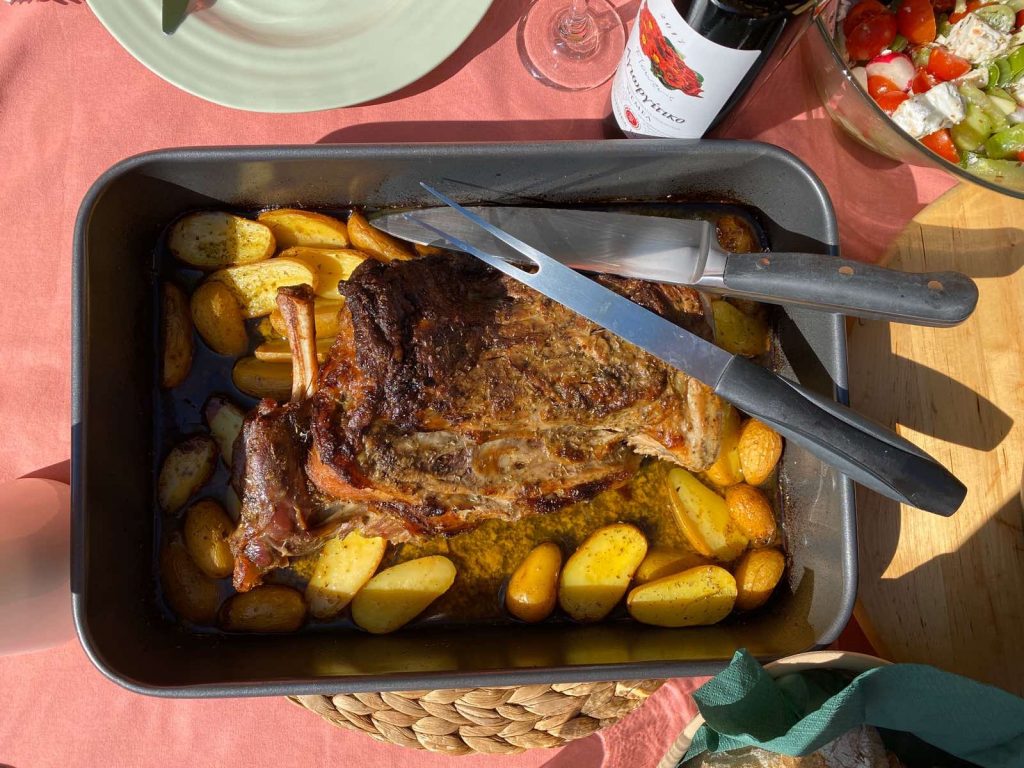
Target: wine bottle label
column 672, row 82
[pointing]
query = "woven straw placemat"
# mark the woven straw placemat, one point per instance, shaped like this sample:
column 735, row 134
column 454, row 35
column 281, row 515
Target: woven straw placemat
column 486, row 720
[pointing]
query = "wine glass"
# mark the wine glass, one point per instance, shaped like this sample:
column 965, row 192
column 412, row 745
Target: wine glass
column 572, row 45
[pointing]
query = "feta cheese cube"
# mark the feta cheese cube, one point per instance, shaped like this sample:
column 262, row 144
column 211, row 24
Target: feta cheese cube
column 941, row 107
column 974, row 40
column 916, row 117
column 946, row 101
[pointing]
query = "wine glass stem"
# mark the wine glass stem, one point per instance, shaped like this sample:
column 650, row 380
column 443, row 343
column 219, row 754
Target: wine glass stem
column 577, row 29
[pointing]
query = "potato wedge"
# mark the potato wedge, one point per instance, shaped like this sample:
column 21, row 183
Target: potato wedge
column 189, row 592
column 663, row 561
column 704, row 517
column 185, row 470
column 224, row 419
column 597, row 574
column 293, row 227
column 330, row 265
column 218, row 318
column 214, row 239
column 751, row 512
column 738, row 333
column 325, row 315
column 266, row 329
column 696, row 597
column 399, row 594
column 759, row 448
column 726, row 470
column 206, row 531
column 255, row 285
column 342, row 569
column 368, row 239
column 258, row 378
column 757, row 574
column 533, row 587
column 176, row 336
column 281, row 351
column 427, row 250
column 269, row 608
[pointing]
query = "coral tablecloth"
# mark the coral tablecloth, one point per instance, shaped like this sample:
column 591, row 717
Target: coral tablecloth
column 72, row 103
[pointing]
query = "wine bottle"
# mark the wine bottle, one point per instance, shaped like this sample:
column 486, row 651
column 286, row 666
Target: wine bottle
column 688, row 61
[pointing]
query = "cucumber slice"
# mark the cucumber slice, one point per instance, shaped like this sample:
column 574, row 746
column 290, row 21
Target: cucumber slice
column 1015, row 5
column 993, row 76
column 1016, row 61
column 972, row 132
column 1005, row 102
column 920, row 57
column 976, row 96
column 1006, row 144
column 898, row 43
column 1000, row 171
column 999, row 17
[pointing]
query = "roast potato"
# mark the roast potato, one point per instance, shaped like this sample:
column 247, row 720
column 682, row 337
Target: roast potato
column 265, row 328
column 698, row 596
column 224, row 419
column 292, row 227
column 325, row 315
column 207, row 527
column 191, row 594
column 760, row 448
column 663, row 561
column 342, row 568
column 751, row 512
column 330, row 265
column 262, row 379
column 269, row 608
column 185, row 470
column 427, row 250
column 704, row 517
column 255, row 285
column 218, row 318
column 214, row 239
column 533, row 586
column 597, row 574
column 737, row 332
column 757, row 574
column 281, row 351
column 726, row 470
column 176, row 336
column 370, row 240
column 399, row 594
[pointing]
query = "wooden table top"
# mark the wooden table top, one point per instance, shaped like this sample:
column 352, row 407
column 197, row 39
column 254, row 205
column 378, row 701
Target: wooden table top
column 950, row 592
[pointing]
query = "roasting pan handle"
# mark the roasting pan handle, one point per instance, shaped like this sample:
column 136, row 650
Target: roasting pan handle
column 868, row 453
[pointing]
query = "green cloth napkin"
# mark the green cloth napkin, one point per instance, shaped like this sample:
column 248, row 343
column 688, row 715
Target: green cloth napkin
column 743, row 706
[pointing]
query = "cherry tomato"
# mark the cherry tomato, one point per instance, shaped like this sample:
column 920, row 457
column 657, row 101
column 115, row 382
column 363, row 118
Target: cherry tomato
column 1020, row 19
column 923, row 81
column 1020, row 156
column 915, row 20
column 947, row 66
column 973, row 5
column 870, row 37
column 941, row 143
column 877, row 85
column 889, row 100
column 862, row 11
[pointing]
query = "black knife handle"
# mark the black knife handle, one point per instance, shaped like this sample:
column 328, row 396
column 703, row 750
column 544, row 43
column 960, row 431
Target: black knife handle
column 938, row 299
column 866, row 452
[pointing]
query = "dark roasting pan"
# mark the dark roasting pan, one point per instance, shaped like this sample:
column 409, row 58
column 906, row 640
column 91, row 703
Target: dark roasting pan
column 117, row 612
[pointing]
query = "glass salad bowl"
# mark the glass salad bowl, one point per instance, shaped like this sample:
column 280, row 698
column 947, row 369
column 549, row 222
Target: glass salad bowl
column 849, row 104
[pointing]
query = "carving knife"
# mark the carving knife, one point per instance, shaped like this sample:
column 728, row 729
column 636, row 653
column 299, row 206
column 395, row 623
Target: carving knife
column 669, row 250
column 865, row 451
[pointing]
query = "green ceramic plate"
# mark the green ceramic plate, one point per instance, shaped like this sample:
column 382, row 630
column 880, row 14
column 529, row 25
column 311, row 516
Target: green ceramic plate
column 293, row 55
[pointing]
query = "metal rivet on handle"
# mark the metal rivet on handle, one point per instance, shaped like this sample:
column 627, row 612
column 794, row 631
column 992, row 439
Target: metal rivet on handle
column 935, row 285
column 846, row 271
column 764, row 262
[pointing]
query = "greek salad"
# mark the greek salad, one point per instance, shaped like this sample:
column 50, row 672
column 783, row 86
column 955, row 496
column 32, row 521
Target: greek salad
column 950, row 73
